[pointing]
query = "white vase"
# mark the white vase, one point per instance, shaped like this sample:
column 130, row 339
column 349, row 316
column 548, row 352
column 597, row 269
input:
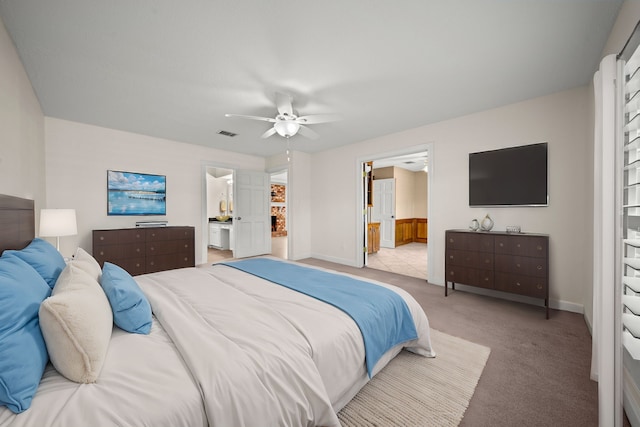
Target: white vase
column 475, row 225
column 487, row 223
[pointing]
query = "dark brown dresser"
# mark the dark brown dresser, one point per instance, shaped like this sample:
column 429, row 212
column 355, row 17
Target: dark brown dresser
column 145, row 250
column 514, row 263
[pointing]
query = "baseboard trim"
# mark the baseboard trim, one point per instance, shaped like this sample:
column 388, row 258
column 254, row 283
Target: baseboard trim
column 342, row 261
column 555, row 304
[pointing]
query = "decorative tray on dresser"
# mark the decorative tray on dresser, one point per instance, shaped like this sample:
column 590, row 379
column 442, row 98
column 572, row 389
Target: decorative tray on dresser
column 517, row 263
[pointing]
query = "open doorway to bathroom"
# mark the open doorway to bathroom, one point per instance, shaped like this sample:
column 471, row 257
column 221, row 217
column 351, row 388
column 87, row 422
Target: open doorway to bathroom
column 219, row 213
column 396, row 189
column 219, row 205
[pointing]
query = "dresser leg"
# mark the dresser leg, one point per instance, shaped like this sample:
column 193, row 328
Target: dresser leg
column 546, row 304
column 446, row 287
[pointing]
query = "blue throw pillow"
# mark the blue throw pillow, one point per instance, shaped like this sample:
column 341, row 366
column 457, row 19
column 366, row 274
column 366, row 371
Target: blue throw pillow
column 23, row 353
column 131, row 309
column 43, row 257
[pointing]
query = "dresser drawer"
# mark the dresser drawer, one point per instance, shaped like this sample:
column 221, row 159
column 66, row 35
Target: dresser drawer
column 118, row 237
column 521, row 265
column 107, row 252
column 134, row 266
column 522, row 245
column 524, row 285
column 469, row 241
column 169, row 262
column 469, row 276
column 470, row 259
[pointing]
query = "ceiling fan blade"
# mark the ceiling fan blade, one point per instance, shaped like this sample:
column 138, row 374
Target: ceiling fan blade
column 283, row 102
column 241, row 116
column 268, row 133
column 305, row 131
column 318, row 118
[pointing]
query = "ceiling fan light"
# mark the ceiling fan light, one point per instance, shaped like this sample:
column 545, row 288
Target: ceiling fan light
column 286, row 128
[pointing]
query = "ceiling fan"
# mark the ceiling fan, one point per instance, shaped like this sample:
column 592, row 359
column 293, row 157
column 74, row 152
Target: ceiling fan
column 286, row 123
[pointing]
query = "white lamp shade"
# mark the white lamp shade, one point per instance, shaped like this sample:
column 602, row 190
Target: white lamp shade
column 58, row 222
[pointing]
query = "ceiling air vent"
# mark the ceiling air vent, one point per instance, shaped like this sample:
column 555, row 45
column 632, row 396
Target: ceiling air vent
column 227, row 133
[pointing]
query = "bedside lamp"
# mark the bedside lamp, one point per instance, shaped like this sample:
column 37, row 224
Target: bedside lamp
column 58, row 222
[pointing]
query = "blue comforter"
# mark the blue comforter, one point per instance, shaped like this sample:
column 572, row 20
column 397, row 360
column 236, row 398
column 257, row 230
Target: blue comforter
column 381, row 314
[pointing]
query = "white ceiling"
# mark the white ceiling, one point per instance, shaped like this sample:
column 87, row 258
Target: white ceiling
column 172, row 69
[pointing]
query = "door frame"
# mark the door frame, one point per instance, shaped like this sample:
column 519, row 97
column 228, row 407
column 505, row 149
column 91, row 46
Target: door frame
column 360, row 208
column 204, row 219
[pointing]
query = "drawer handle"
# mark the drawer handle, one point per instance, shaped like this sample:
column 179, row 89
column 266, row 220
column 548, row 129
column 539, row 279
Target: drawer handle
column 138, row 265
column 487, row 261
column 137, row 236
column 539, row 267
column 518, row 245
column 153, row 263
column 450, row 256
column 101, row 252
column 101, row 237
column 186, row 245
column 518, row 265
column 486, row 279
column 151, row 248
column 501, row 244
column 539, row 248
column 452, row 274
column 137, row 249
column 451, row 240
column 539, row 286
column 153, row 234
column 185, row 258
column 518, row 284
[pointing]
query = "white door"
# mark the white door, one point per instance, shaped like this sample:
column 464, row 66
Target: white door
column 251, row 219
column 384, row 210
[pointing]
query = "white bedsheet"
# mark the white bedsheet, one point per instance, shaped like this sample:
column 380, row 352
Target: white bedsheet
column 144, row 382
column 226, row 349
column 335, row 340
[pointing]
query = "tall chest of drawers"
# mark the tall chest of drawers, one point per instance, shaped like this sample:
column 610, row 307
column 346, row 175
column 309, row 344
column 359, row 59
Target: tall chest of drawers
column 514, row 263
column 145, row 250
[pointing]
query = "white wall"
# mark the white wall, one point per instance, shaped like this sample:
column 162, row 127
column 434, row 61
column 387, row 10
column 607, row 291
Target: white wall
column 559, row 119
column 421, row 194
column 22, row 124
column 78, row 157
column 299, row 205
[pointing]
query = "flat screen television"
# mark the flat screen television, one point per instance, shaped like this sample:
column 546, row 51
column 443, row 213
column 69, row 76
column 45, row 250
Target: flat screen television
column 514, row 176
column 131, row 193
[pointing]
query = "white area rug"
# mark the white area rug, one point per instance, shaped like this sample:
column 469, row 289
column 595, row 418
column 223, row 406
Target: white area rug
column 416, row 391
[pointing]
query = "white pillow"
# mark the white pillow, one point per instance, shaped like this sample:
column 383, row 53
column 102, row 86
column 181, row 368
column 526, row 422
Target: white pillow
column 87, row 263
column 76, row 322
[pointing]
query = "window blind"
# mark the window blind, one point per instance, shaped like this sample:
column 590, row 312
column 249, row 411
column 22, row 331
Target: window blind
column 631, row 208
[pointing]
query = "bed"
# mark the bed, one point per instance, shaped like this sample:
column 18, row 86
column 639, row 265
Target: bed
column 224, row 348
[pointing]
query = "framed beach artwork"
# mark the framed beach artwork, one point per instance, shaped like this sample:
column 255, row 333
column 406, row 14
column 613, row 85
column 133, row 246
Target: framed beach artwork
column 132, row 193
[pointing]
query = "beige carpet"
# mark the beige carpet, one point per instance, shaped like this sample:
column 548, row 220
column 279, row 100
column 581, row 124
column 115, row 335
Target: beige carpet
column 417, row 391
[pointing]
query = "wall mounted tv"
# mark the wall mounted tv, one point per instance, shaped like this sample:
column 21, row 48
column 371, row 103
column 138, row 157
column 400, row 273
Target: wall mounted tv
column 514, row 176
column 131, row 193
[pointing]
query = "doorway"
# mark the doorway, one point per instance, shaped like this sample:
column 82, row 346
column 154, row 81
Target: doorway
column 279, row 214
column 400, row 209
column 220, row 236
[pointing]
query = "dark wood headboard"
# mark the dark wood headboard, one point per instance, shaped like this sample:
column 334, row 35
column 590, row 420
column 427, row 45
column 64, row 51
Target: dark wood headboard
column 17, row 222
